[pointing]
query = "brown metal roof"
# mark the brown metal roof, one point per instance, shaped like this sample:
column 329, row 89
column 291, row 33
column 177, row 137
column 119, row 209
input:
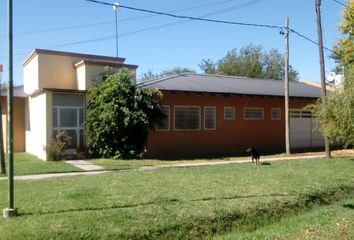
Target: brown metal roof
column 207, row 83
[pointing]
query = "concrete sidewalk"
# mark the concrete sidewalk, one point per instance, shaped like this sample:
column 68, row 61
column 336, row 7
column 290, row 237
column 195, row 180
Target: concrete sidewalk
column 85, row 165
column 91, row 169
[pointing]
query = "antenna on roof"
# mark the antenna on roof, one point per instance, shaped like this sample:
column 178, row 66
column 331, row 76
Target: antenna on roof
column 115, row 8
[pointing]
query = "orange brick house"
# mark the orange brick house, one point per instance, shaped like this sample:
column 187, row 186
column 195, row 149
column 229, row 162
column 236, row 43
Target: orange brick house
column 213, row 115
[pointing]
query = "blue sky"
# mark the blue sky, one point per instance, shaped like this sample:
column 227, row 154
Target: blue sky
column 63, row 25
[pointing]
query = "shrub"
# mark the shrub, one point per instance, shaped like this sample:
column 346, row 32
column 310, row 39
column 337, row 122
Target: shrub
column 57, row 145
column 119, row 115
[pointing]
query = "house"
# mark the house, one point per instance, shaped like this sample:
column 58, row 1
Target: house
column 205, row 114
column 212, row 114
column 56, row 84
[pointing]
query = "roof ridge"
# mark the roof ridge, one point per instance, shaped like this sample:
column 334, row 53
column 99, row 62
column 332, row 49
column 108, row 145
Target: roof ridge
column 231, row 76
column 159, row 79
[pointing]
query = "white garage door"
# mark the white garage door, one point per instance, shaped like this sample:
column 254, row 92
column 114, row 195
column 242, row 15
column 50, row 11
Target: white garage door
column 304, row 130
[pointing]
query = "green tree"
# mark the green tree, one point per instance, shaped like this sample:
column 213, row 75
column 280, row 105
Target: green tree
column 250, row 61
column 336, row 111
column 176, row 70
column 149, row 75
column 208, row 66
column 119, row 115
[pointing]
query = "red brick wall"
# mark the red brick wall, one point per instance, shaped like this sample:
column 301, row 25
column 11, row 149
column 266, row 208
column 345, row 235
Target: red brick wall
column 230, row 136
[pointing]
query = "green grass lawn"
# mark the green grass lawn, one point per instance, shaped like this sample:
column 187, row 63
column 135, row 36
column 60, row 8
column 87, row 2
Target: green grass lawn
column 185, row 203
column 25, row 164
column 333, row 221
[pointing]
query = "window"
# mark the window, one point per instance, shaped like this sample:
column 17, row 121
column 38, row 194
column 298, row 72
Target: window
column 276, row 114
column 186, row 118
column 295, row 113
column 229, row 113
column 253, row 113
column 68, row 115
column 164, row 125
column 209, row 118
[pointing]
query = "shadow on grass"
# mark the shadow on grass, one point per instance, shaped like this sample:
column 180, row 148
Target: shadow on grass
column 261, row 214
column 350, row 206
column 310, row 199
column 158, row 201
column 265, row 163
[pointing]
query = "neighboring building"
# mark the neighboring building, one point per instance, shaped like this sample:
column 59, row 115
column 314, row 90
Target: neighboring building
column 56, row 84
column 19, row 118
column 212, row 115
column 206, row 114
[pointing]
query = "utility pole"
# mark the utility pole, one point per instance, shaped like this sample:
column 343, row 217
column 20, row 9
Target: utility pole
column 10, row 211
column 2, row 157
column 286, row 86
column 115, row 8
column 322, row 66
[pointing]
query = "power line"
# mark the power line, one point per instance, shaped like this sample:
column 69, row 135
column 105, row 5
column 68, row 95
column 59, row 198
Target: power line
column 189, row 17
column 186, row 18
column 212, row 20
column 246, row 4
column 121, row 20
column 343, row 4
column 312, row 41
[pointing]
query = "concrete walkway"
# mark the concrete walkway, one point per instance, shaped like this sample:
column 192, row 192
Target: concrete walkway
column 85, row 165
column 91, row 169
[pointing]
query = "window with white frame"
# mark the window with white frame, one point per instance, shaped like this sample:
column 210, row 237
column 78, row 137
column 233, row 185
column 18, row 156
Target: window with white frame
column 276, row 114
column 186, row 117
column 164, row 124
column 253, row 113
column 209, row 118
column 68, row 115
column 229, row 113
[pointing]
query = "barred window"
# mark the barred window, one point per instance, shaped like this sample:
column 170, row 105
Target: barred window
column 209, row 118
column 229, row 113
column 186, row 118
column 164, row 124
column 276, row 114
column 253, row 113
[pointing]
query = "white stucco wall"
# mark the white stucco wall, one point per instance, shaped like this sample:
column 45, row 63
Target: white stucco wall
column 30, row 76
column 38, row 123
column 81, row 78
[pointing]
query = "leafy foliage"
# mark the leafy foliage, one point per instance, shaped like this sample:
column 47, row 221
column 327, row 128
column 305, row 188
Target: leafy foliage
column 336, row 111
column 345, row 45
column 119, row 115
column 57, row 145
column 250, row 61
column 176, row 70
column 336, row 115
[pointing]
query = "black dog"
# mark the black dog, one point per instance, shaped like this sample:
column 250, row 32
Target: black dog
column 254, row 154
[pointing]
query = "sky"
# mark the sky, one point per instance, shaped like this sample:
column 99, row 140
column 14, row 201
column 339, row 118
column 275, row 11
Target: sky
column 85, row 27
